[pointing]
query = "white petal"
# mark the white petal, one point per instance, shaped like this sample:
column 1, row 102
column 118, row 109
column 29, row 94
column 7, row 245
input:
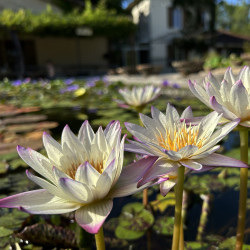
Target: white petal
column 54, row 149
column 218, row 135
column 73, row 149
column 187, row 151
column 239, row 98
column 229, row 77
column 152, row 150
column 166, row 186
column 207, row 125
column 160, row 117
column 172, row 118
column 213, row 92
column 91, row 217
column 119, row 161
column 130, row 175
column 225, row 92
column 218, row 160
column 160, row 168
column 105, row 181
column 135, row 149
column 87, row 174
column 48, row 186
column 39, row 202
column 198, row 155
column 153, row 126
column 221, row 109
column 187, row 113
column 101, row 141
column 199, row 92
column 86, row 134
column 78, row 191
column 113, row 133
column 215, row 83
column 191, row 164
column 37, row 161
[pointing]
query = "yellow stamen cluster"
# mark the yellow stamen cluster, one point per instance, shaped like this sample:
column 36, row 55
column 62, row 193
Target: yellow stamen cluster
column 98, row 165
column 182, row 136
column 72, row 170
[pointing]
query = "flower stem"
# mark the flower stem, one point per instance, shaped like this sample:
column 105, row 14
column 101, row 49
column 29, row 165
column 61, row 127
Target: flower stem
column 99, row 240
column 181, row 242
column 178, row 208
column 243, row 189
column 145, row 191
column 145, row 197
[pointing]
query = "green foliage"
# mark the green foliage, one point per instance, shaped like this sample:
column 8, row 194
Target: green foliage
column 164, row 225
column 213, row 60
column 102, row 21
column 133, row 222
column 234, row 18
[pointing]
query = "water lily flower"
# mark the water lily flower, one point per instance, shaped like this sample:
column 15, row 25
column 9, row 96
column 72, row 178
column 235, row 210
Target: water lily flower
column 82, row 174
column 231, row 97
column 138, row 97
column 177, row 143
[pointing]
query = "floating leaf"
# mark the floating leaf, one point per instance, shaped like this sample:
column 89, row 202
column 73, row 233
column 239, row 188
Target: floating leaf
column 13, row 220
column 82, row 117
column 164, row 225
column 133, row 222
column 196, row 246
column 5, row 232
column 3, row 167
column 162, row 203
column 123, row 233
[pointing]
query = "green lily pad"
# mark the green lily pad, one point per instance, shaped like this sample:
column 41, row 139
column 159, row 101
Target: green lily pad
column 126, row 234
column 192, row 245
column 162, row 203
column 3, row 167
column 133, row 222
column 164, row 225
column 5, row 232
column 13, row 220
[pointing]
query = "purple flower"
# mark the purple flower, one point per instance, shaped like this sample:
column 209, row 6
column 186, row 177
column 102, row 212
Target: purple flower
column 165, row 83
column 27, row 80
column 69, row 81
column 176, row 85
column 72, row 88
column 17, row 83
column 90, row 84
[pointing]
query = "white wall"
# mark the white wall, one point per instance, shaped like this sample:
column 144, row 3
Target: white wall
column 142, row 7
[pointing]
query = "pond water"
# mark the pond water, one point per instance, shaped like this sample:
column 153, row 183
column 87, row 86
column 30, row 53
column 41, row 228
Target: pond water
column 212, row 196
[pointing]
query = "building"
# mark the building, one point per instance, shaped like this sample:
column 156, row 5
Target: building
column 166, row 32
column 23, row 55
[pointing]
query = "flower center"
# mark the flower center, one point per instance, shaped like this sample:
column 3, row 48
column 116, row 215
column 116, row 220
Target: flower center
column 73, row 168
column 182, row 136
column 98, row 165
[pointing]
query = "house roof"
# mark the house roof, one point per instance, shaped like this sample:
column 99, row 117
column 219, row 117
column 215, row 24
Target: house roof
column 229, row 37
column 36, row 6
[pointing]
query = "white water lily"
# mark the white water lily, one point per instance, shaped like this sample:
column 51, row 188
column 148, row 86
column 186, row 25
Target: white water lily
column 82, row 174
column 176, row 143
column 231, row 97
column 139, row 96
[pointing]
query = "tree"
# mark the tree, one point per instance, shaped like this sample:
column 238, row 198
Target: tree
column 234, row 18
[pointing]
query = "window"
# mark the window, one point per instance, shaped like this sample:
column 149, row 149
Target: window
column 175, row 18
